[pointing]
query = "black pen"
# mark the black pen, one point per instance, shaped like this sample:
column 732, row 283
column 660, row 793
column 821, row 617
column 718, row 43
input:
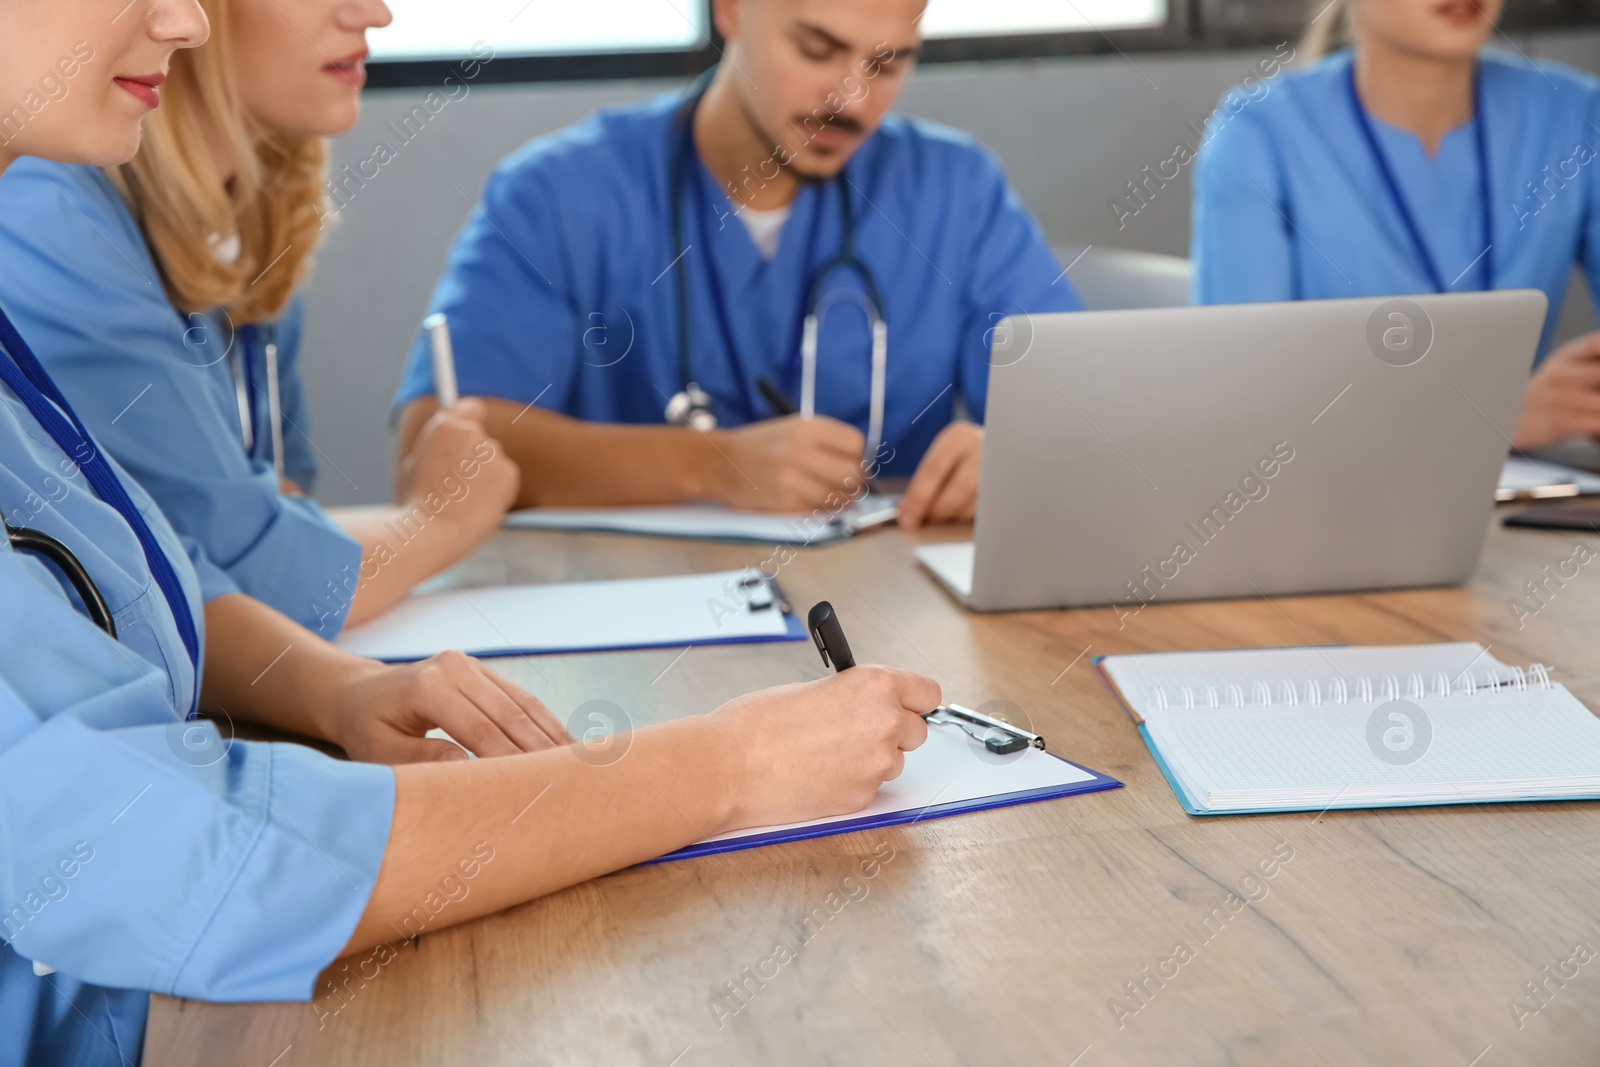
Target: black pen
column 780, row 403
column 829, row 636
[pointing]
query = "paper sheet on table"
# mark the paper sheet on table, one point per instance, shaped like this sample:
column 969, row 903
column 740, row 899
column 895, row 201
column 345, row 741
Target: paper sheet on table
column 1523, row 476
column 711, row 522
column 693, row 609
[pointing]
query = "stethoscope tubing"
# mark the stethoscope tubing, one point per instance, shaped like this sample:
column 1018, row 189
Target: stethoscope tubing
column 23, row 539
column 21, row 370
column 244, row 379
column 692, row 398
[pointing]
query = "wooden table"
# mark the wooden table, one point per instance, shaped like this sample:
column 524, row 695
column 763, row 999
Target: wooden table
column 1046, row 933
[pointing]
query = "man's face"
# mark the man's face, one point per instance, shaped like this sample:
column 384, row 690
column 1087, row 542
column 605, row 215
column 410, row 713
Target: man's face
column 815, row 77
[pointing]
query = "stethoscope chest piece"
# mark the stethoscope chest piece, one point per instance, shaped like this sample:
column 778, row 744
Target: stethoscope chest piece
column 691, row 407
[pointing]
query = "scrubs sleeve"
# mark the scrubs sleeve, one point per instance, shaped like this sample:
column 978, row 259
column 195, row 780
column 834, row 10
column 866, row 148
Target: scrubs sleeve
column 506, row 292
column 1012, row 273
column 1589, row 247
column 214, row 581
column 140, row 852
column 299, row 455
column 1241, row 241
column 147, row 383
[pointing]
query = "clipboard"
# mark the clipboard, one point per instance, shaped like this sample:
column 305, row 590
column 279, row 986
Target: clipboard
column 721, row 608
column 951, row 774
column 713, row 522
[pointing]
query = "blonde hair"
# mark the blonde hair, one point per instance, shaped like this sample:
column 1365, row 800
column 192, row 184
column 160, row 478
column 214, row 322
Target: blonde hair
column 273, row 203
column 1327, row 31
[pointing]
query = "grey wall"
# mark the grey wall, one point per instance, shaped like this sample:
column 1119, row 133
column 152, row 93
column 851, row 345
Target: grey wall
column 1072, row 132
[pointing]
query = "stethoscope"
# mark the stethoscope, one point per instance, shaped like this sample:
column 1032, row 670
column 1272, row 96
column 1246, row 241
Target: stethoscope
column 41, row 544
column 691, row 405
column 21, row 371
column 1413, row 231
column 23, row 539
column 244, row 390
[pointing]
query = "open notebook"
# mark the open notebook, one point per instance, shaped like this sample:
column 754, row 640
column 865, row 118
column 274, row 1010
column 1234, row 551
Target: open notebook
column 1306, row 729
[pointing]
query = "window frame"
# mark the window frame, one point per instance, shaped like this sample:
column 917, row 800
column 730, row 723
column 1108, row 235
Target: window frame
column 1186, row 29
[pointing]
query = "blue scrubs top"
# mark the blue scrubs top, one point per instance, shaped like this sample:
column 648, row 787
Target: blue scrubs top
column 1290, row 205
column 559, row 293
column 133, row 856
column 157, row 389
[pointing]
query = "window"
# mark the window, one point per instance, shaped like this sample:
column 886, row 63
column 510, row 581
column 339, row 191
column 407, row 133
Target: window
column 986, row 18
column 561, row 40
column 449, row 29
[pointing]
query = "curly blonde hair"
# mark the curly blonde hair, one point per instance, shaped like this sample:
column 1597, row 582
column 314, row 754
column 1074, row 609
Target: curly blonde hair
column 272, row 203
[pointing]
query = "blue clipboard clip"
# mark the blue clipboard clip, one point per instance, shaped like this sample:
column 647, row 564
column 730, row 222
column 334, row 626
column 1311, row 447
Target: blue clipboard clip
column 997, row 735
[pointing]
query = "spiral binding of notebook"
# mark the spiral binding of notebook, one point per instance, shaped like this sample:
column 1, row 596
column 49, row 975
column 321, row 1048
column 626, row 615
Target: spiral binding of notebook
column 1364, row 690
column 1314, row 728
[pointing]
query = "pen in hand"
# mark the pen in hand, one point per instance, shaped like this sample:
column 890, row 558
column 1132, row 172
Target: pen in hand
column 829, row 636
column 997, row 735
column 781, row 404
column 444, row 361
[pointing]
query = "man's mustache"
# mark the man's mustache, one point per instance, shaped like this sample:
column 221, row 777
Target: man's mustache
column 843, row 123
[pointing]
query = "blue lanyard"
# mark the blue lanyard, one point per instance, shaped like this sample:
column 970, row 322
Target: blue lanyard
column 1481, row 138
column 23, row 373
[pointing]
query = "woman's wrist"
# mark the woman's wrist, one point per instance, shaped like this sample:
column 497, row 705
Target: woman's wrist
column 333, row 698
column 728, row 769
column 464, row 526
column 403, row 545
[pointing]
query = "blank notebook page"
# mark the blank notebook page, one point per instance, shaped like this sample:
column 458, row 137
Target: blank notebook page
column 1496, row 737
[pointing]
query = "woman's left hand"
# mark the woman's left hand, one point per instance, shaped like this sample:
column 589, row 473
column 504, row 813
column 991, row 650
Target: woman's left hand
column 383, row 712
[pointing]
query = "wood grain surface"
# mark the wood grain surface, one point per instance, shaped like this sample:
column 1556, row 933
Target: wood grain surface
column 1110, row 928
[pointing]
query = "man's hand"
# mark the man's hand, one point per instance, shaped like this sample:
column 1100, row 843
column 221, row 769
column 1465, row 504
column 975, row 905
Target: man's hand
column 945, row 486
column 790, row 464
column 383, row 712
column 1563, row 397
column 456, row 460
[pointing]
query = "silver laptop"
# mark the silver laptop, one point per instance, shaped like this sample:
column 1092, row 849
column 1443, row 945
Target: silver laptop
column 1137, row 457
